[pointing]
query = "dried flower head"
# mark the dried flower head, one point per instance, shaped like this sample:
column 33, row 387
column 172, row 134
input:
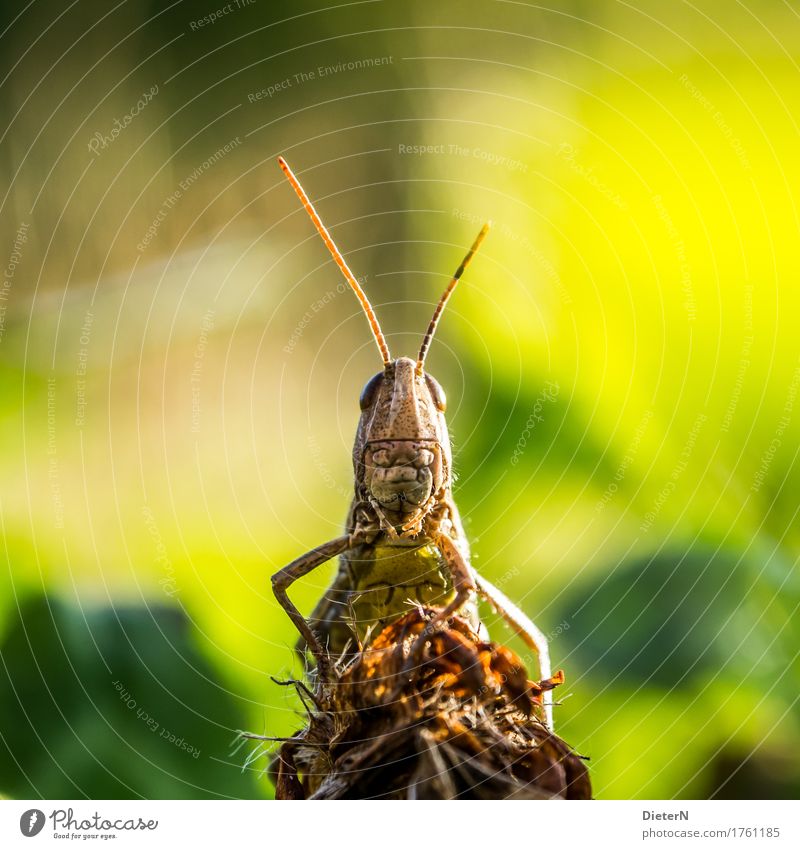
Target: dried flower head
column 429, row 716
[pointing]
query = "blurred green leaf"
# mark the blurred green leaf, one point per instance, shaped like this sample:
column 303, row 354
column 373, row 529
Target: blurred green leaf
column 113, row 703
column 680, row 619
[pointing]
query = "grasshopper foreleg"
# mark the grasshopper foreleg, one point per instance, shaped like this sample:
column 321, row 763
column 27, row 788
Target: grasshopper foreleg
column 529, row 633
column 461, row 574
column 328, row 610
column 281, row 581
column 463, row 587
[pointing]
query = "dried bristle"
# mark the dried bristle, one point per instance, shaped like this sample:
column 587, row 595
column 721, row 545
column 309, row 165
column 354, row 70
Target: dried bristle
column 426, row 342
column 339, row 259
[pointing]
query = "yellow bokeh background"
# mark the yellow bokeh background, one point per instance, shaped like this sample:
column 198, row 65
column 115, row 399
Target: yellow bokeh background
column 639, row 166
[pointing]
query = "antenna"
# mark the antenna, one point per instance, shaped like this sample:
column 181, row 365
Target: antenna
column 339, row 259
column 426, row 342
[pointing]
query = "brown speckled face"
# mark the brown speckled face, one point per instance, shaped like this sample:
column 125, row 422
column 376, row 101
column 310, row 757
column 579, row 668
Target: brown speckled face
column 402, row 474
column 402, row 449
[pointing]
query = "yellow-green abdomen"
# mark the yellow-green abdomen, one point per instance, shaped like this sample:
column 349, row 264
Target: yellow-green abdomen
column 395, row 577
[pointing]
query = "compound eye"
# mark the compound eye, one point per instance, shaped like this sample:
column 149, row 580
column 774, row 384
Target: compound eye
column 437, row 393
column 370, row 390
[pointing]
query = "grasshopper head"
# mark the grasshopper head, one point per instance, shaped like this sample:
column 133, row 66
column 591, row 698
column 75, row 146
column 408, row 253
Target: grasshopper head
column 402, row 454
column 402, row 451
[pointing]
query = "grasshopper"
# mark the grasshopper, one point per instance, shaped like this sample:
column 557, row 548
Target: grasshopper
column 404, row 541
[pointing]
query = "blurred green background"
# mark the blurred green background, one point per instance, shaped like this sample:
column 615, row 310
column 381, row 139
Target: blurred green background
column 180, row 368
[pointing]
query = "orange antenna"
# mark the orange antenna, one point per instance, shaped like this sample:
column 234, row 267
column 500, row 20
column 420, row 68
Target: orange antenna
column 339, row 259
column 426, row 342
